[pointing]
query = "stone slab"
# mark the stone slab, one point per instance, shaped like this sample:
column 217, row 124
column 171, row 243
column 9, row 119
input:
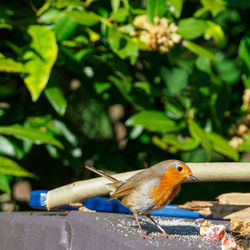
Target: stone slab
column 93, row 231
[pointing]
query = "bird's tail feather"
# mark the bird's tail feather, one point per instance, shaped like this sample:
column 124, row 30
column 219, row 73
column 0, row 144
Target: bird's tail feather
column 100, row 172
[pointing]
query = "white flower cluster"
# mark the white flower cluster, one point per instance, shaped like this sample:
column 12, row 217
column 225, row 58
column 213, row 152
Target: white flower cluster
column 159, row 35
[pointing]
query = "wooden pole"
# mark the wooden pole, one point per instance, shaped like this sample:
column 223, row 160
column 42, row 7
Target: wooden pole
column 205, row 172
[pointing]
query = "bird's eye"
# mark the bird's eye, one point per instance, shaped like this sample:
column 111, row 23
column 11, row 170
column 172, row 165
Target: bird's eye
column 179, row 168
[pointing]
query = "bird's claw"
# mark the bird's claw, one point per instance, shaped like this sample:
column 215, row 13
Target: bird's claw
column 147, row 237
column 165, row 234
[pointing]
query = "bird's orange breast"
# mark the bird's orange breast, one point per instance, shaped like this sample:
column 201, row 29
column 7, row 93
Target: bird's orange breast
column 163, row 193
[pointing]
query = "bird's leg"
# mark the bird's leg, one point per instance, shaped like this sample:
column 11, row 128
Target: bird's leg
column 164, row 233
column 142, row 233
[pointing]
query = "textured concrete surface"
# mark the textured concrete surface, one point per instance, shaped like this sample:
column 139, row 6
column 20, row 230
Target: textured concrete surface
column 81, row 230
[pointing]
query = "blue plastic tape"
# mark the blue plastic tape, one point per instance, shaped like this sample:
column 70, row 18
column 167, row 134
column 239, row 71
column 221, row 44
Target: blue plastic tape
column 99, row 204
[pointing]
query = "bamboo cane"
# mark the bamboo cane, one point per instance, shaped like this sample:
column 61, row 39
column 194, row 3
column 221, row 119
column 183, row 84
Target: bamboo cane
column 205, row 172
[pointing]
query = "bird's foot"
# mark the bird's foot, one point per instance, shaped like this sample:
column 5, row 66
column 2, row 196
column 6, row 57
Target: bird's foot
column 147, row 237
column 165, row 234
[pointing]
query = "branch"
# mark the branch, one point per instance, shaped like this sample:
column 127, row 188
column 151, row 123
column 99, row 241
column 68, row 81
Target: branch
column 205, row 172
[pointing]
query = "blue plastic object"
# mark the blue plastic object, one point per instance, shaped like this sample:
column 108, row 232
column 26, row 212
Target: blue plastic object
column 99, row 204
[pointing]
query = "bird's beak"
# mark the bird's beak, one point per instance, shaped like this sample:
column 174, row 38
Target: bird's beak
column 191, row 177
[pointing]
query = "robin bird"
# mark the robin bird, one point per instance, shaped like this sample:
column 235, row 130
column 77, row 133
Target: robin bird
column 149, row 190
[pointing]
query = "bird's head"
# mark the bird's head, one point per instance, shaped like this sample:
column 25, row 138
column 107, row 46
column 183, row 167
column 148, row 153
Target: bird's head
column 176, row 171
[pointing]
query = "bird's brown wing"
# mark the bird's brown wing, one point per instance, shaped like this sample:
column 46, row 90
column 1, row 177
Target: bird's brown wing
column 124, row 189
column 132, row 183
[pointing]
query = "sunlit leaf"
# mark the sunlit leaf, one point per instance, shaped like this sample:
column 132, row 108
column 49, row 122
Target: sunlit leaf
column 153, row 121
column 50, row 15
column 191, row 28
column 69, row 3
column 177, row 7
column 6, row 147
column 44, row 7
column 159, row 142
column 120, row 15
column 10, row 167
column 215, row 31
column 4, row 184
column 9, row 65
column 200, row 135
column 83, row 17
column 222, row 146
column 40, row 59
column 115, row 4
column 5, row 26
column 32, row 134
column 198, row 50
column 213, row 6
column 93, row 36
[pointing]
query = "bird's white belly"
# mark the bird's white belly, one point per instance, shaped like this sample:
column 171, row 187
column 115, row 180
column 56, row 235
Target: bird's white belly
column 140, row 200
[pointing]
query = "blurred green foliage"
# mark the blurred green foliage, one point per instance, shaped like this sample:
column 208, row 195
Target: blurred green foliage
column 77, row 85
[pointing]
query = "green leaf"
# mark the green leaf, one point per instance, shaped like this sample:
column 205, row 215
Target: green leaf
column 122, row 44
column 200, row 135
column 214, row 6
column 83, row 17
column 151, row 10
column 40, row 59
column 191, row 28
column 215, row 31
column 221, row 145
column 120, row 16
column 50, row 15
column 101, row 87
column 175, row 80
column 32, row 134
column 69, row 3
column 155, row 8
column 159, row 143
column 244, row 51
column 204, row 64
column 55, row 96
column 115, row 4
column 186, row 144
column 5, row 26
column 228, row 70
column 177, row 7
column 245, row 146
column 4, row 184
column 10, row 167
column 64, row 28
column 144, row 86
column 155, row 121
column 173, row 111
column 198, row 50
column 9, row 65
column 6, row 147
column 62, row 129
